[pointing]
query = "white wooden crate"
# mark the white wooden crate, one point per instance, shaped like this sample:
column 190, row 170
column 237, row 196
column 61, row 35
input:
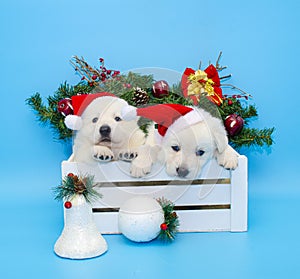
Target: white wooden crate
column 216, row 201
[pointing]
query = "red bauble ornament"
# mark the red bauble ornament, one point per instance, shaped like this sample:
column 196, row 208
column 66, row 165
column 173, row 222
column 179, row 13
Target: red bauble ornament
column 234, row 124
column 68, row 204
column 160, row 89
column 65, row 107
column 164, row 226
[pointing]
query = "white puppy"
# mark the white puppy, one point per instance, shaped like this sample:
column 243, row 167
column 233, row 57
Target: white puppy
column 187, row 151
column 103, row 135
column 186, row 148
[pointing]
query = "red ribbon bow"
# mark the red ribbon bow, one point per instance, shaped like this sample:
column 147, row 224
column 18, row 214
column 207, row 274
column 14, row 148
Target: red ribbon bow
column 212, row 74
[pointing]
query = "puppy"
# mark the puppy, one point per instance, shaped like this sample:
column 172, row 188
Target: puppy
column 185, row 150
column 103, row 135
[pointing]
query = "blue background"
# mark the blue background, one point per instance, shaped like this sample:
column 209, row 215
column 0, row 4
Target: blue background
column 260, row 44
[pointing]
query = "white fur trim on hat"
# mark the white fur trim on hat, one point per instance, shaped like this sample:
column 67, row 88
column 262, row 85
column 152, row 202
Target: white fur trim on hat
column 185, row 121
column 129, row 113
column 73, row 122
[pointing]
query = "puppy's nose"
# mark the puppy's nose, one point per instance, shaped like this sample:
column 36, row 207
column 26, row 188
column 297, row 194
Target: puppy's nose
column 182, row 171
column 105, row 131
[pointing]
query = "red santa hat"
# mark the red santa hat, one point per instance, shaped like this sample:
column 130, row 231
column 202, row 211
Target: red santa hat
column 169, row 117
column 80, row 103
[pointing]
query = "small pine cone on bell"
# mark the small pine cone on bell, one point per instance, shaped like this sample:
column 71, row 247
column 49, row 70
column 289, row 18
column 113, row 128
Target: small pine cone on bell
column 79, row 187
column 140, row 97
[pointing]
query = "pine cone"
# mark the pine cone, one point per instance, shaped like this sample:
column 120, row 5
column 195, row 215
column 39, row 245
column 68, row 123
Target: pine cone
column 140, row 97
column 79, row 187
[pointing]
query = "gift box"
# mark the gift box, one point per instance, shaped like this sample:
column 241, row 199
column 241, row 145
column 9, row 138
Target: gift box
column 217, row 200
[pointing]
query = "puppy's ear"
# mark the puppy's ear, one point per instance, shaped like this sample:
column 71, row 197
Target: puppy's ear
column 219, row 133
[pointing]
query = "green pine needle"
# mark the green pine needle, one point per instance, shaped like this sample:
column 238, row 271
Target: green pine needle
column 69, row 188
column 171, row 220
column 253, row 137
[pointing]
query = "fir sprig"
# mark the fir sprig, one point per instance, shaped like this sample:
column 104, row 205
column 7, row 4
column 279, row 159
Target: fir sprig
column 233, row 105
column 252, row 137
column 48, row 114
column 73, row 184
column 171, row 223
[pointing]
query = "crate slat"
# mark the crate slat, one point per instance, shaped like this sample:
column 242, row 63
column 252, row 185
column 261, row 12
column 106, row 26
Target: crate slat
column 180, row 195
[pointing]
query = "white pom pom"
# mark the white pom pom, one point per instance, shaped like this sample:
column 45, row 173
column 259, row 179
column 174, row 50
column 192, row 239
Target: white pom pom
column 129, row 113
column 73, row 122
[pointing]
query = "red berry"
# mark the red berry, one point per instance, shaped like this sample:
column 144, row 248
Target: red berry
column 126, row 85
column 108, row 72
column 83, row 78
column 101, row 60
column 68, row 204
column 94, row 77
column 164, row 226
column 116, row 73
column 70, row 174
column 230, row 102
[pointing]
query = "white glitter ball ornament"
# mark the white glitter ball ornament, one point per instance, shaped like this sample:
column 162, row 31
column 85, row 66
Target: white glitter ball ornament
column 140, row 219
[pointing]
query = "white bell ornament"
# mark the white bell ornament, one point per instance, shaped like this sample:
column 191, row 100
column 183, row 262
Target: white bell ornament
column 80, row 238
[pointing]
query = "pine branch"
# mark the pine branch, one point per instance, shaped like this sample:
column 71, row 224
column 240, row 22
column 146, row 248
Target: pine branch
column 236, row 107
column 72, row 185
column 210, row 107
column 248, row 112
column 42, row 112
column 48, row 114
column 252, row 136
column 170, row 220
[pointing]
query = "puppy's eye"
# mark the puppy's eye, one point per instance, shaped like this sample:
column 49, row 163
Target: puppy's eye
column 118, row 119
column 95, row 120
column 176, row 148
column 200, row 152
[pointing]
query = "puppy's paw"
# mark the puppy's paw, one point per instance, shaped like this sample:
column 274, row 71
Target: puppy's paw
column 103, row 154
column 228, row 159
column 127, row 155
column 140, row 168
